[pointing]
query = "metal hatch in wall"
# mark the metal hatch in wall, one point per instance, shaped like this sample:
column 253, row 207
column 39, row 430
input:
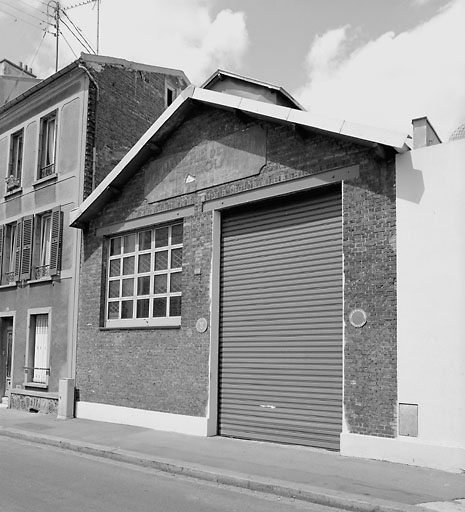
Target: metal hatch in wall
column 280, row 365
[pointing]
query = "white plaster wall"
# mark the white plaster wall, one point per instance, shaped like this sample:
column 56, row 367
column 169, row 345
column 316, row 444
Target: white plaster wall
column 431, row 291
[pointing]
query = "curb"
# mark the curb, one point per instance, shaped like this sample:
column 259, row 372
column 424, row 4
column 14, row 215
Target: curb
column 317, row 495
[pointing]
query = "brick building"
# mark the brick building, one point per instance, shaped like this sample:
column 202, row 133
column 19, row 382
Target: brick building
column 239, row 274
column 58, row 140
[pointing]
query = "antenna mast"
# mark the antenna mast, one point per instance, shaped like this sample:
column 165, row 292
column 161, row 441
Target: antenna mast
column 98, row 25
column 56, row 17
column 57, row 24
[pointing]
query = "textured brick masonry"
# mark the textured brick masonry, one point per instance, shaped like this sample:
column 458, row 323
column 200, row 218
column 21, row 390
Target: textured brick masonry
column 168, row 369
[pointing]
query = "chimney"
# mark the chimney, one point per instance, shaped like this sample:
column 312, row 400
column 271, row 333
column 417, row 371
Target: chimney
column 423, row 133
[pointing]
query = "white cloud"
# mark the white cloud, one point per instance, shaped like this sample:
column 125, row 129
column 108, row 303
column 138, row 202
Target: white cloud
column 325, row 49
column 183, row 34
column 179, row 34
column 388, row 81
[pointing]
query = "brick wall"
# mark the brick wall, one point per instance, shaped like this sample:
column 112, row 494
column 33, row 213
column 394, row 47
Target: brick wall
column 167, row 370
column 121, row 108
column 370, row 352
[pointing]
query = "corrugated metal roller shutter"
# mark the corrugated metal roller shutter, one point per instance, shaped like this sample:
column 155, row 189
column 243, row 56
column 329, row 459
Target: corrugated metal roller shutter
column 281, row 321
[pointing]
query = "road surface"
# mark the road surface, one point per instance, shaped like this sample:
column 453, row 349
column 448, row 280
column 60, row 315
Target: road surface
column 43, row 479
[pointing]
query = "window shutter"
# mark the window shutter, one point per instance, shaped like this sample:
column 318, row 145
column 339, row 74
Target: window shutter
column 19, row 238
column 55, row 245
column 2, row 230
column 26, row 253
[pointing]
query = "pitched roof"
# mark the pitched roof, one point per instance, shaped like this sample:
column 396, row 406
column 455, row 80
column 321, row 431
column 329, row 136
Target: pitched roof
column 220, row 75
column 173, row 116
column 89, row 60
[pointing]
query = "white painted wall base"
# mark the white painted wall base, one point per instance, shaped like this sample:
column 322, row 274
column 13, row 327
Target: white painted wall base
column 405, row 451
column 141, row 418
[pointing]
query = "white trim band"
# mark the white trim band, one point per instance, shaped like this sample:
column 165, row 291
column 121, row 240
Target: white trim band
column 404, row 450
column 154, row 420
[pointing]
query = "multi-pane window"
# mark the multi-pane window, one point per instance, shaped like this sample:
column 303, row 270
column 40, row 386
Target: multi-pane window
column 48, row 128
column 145, row 277
column 16, row 161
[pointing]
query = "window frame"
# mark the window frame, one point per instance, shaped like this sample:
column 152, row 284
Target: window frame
column 27, row 247
column 8, row 245
column 30, row 356
column 42, row 246
column 46, row 170
column 15, row 165
column 170, row 91
column 136, row 275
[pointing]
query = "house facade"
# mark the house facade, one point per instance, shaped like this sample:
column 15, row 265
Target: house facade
column 239, row 274
column 58, row 140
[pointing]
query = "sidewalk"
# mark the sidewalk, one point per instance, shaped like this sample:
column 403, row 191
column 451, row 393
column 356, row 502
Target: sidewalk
column 312, row 475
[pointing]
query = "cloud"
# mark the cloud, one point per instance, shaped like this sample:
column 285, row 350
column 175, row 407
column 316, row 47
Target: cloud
column 183, row 34
column 325, row 49
column 179, row 34
column 390, row 80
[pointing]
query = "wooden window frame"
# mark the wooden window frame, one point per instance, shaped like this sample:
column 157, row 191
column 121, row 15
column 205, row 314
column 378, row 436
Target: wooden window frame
column 8, row 233
column 46, row 169
column 15, row 167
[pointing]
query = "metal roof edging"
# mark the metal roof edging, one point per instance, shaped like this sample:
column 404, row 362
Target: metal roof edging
column 273, row 112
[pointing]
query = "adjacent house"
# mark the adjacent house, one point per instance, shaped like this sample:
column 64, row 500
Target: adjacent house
column 14, row 80
column 239, row 274
column 58, row 140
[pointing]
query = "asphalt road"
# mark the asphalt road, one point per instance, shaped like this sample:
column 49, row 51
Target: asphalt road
column 42, row 479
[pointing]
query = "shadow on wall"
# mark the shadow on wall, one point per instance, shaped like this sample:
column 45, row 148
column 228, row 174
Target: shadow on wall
column 410, row 183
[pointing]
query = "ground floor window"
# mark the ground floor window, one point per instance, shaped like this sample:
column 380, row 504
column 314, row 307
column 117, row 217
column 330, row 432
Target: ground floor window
column 144, row 277
column 37, row 365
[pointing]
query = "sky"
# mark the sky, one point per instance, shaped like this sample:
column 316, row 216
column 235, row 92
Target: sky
column 375, row 62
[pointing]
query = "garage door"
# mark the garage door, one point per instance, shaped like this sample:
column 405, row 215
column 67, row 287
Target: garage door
column 280, row 371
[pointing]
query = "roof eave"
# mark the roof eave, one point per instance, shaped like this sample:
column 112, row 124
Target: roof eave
column 140, row 151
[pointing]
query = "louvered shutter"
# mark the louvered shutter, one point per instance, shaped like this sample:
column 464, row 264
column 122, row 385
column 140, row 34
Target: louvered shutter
column 281, row 321
column 26, row 253
column 56, row 238
column 2, row 230
column 19, row 239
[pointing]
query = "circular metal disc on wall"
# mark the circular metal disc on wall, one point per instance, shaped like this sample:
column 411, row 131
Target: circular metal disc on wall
column 201, row 325
column 358, row 318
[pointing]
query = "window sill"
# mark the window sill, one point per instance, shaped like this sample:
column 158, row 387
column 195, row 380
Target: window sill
column 9, row 285
column 37, row 385
column 43, row 280
column 51, row 178
column 140, row 323
column 140, row 328
column 13, row 193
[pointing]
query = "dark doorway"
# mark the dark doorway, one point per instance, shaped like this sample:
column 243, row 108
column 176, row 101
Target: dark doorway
column 6, row 354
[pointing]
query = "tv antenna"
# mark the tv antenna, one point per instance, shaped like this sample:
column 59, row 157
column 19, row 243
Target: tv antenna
column 58, row 10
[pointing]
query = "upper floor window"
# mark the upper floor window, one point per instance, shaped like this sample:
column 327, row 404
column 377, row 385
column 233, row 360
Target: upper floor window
column 170, row 95
column 31, row 247
column 47, row 147
column 13, row 180
column 44, row 242
column 144, row 278
column 8, row 247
